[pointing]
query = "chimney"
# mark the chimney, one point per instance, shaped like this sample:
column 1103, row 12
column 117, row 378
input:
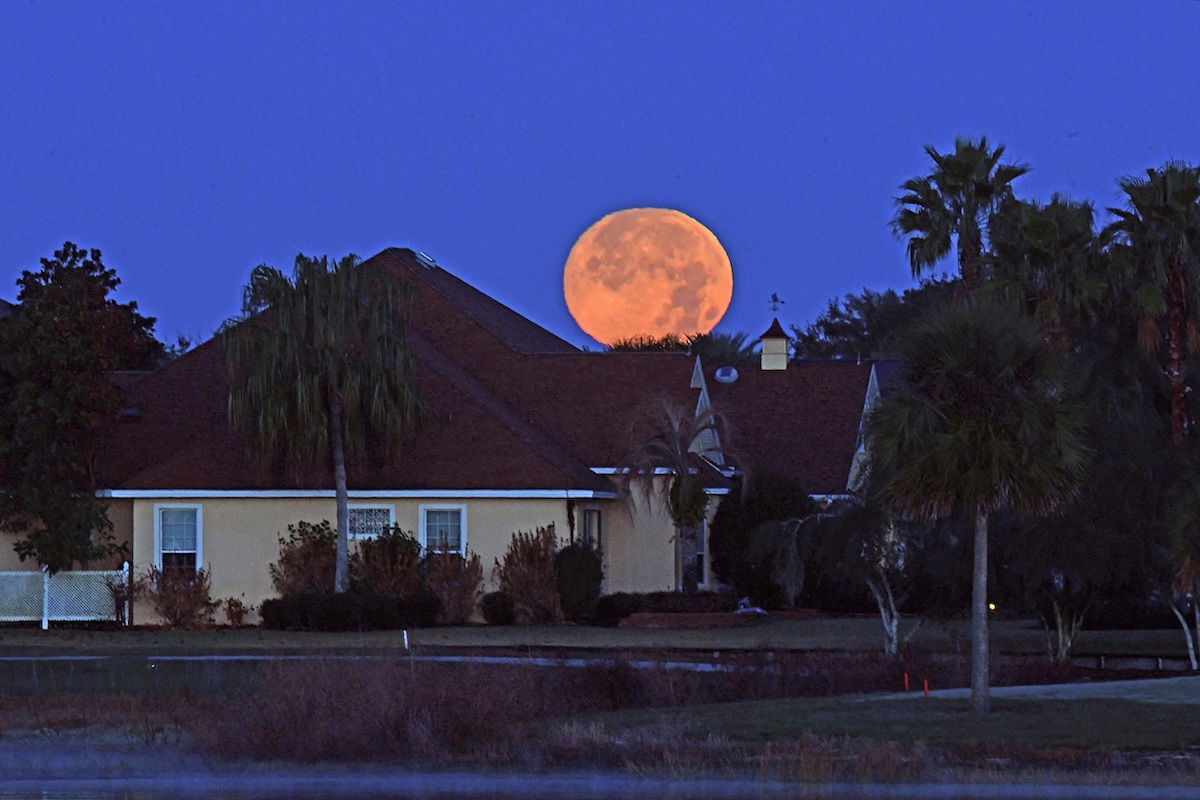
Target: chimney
column 774, row 347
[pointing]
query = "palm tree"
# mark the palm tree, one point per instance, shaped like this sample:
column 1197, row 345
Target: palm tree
column 1047, row 258
column 325, row 362
column 722, row 349
column 671, row 440
column 981, row 424
column 1157, row 257
column 954, row 200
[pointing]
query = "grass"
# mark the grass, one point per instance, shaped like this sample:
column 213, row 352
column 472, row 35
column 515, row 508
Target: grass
column 647, row 722
column 1013, row 724
column 841, row 634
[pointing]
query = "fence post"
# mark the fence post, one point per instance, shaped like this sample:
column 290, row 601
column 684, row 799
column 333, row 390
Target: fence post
column 128, row 594
column 45, row 598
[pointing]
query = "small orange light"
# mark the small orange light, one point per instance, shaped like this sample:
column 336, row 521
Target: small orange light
column 991, row 606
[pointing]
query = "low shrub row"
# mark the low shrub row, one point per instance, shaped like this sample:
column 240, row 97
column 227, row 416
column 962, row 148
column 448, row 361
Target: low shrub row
column 610, row 609
column 350, row 612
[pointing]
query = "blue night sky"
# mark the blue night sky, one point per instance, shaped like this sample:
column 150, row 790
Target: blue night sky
column 192, row 141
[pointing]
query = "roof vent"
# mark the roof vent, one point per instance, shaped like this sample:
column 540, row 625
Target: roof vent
column 426, row 259
column 726, row 375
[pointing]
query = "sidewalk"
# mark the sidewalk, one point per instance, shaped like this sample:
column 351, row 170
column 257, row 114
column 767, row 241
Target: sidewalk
column 1174, row 691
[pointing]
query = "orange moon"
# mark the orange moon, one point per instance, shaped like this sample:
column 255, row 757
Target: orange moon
column 647, row 272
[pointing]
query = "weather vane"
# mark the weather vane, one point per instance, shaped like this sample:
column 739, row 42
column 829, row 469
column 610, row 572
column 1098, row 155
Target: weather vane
column 775, row 302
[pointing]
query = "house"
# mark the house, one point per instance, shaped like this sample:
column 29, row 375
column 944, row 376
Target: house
column 524, row 430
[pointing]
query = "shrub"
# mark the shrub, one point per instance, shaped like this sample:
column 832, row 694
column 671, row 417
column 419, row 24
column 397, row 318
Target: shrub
column 235, row 611
column 420, row 610
column 497, row 608
column 389, row 564
column 741, row 512
column 181, row 597
column 527, row 576
column 579, row 575
column 612, row 608
column 307, row 559
column 698, row 603
column 350, row 612
column 280, row 613
column 457, row 582
column 123, row 591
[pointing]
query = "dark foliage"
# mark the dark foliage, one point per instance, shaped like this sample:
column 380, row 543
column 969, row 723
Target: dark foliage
column 865, row 325
column 612, row 608
column 768, row 498
column 57, row 348
column 579, row 574
column 183, row 598
column 350, row 612
column 498, row 609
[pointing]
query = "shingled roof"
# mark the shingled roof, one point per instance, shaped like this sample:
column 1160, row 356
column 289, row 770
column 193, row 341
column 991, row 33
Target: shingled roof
column 512, row 407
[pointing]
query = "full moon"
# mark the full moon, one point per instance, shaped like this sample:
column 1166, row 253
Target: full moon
column 647, row 272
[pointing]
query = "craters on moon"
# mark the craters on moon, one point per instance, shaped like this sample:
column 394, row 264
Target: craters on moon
column 647, row 272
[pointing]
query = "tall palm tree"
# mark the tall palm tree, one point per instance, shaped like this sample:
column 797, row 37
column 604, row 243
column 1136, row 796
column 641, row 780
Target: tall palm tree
column 670, row 439
column 981, row 424
column 1157, row 256
column 1048, row 259
column 325, row 362
column 954, row 200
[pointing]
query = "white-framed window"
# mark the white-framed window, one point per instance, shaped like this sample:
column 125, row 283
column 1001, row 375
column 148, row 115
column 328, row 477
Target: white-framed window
column 591, row 529
column 178, row 537
column 367, row 522
column 444, row 528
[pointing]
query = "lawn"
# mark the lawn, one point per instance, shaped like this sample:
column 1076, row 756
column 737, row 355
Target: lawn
column 1013, row 724
column 842, row 634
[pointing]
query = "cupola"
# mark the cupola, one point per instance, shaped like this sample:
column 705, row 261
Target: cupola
column 774, row 347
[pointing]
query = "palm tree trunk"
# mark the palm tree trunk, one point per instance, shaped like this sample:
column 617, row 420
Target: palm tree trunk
column 689, row 577
column 1176, row 348
column 968, row 263
column 337, row 446
column 979, row 621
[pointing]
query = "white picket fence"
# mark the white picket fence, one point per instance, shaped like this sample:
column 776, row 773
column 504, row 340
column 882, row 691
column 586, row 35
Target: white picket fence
column 81, row 596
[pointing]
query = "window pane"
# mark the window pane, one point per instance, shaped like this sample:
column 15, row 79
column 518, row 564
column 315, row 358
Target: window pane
column 179, row 562
column 178, row 529
column 591, row 528
column 443, row 530
column 369, row 522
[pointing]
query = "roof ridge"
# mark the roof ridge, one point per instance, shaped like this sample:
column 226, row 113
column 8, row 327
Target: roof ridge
column 406, row 257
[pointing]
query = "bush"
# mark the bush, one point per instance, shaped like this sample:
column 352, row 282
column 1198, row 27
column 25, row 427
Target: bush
column 389, row 564
column 307, row 559
column 236, row 611
column 527, row 576
column 497, row 608
column 457, row 582
column 420, row 610
column 612, row 608
column 350, row 612
column 768, row 498
column 123, row 591
column 181, row 597
column 698, row 603
column 579, row 575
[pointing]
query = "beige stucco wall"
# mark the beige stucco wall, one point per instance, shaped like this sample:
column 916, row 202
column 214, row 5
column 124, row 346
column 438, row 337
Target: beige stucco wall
column 240, row 536
column 639, row 547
